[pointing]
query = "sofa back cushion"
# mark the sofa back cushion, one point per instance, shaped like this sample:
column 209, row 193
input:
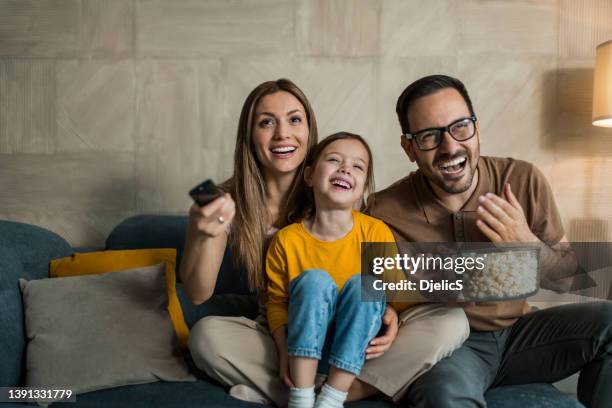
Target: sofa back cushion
column 168, row 231
column 25, row 252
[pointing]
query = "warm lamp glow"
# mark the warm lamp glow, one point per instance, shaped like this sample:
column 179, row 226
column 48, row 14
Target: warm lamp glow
column 602, row 86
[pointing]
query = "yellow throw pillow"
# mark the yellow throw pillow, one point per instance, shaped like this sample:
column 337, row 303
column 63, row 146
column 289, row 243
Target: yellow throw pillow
column 93, row 263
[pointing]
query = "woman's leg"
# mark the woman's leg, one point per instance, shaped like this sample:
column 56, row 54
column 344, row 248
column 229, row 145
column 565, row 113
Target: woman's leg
column 312, row 303
column 237, row 350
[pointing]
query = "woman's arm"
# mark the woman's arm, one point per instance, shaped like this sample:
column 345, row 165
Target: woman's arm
column 205, row 243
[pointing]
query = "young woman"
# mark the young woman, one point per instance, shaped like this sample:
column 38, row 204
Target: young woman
column 315, row 308
column 276, row 130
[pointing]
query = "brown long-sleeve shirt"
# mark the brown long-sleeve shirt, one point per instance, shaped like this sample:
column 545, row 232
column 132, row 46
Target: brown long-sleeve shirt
column 415, row 214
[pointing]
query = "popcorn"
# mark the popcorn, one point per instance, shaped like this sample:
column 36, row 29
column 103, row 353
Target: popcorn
column 508, row 274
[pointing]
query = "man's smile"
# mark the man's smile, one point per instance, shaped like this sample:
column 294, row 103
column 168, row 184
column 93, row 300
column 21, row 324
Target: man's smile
column 453, row 168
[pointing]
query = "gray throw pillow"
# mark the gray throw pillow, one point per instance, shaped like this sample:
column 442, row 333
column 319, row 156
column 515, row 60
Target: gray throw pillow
column 100, row 331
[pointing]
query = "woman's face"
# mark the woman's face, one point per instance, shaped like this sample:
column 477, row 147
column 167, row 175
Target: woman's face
column 280, row 133
column 340, row 174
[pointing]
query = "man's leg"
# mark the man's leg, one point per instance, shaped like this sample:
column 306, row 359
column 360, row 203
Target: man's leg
column 551, row 344
column 427, row 334
column 459, row 380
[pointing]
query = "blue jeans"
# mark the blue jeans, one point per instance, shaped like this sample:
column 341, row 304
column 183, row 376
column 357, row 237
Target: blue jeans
column 318, row 312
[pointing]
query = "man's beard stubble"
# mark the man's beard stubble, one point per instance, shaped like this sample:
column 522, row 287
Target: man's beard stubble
column 470, row 170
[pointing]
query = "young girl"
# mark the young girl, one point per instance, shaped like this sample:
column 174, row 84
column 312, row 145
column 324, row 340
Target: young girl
column 315, row 311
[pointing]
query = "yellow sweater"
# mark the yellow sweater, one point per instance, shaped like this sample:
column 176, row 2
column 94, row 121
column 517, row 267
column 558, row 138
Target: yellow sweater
column 294, row 250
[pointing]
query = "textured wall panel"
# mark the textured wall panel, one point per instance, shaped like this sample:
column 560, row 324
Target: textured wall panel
column 583, row 189
column 27, row 106
column 409, row 29
column 178, row 137
column 507, row 27
column 80, row 228
column 70, row 181
column 95, row 105
column 215, row 27
column 39, row 27
column 107, row 27
column 583, row 24
column 515, row 103
column 340, row 27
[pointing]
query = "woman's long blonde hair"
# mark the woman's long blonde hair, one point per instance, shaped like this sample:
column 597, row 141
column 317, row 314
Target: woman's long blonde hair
column 248, row 189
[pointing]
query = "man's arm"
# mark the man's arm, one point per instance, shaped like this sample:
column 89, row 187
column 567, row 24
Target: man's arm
column 559, row 266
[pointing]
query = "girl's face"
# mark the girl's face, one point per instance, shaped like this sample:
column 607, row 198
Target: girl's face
column 280, row 133
column 340, row 173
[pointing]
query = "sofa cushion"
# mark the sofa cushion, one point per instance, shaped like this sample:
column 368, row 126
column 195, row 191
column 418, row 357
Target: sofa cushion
column 149, row 231
column 198, row 394
column 205, row 394
column 25, row 251
column 168, row 231
column 218, row 305
column 99, row 331
column 529, row 396
column 34, row 246
column 92, row 263
column 11, row 319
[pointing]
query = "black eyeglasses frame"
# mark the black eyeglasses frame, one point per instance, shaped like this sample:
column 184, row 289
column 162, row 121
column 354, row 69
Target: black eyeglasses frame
column 443, row 129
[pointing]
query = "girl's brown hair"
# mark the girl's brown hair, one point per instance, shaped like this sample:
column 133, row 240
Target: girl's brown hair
column 248, row 189
column 306, row 208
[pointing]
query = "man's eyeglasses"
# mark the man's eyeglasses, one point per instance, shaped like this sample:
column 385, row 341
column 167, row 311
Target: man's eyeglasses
column 460, row 130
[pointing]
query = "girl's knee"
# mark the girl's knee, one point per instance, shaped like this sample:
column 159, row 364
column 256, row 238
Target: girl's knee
column 353, row 286
column 313, row 285
column 361, row 287
column 316, row 278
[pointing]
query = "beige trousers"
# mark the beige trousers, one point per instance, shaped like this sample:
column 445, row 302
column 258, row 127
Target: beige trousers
column 237, row 350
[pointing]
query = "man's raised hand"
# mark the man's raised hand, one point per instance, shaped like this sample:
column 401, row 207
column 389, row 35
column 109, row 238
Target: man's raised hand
column 503, row 219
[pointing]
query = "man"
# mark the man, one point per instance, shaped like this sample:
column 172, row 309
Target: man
column 457, row 195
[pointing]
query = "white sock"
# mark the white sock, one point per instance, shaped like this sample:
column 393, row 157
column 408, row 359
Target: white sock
column 301, row 397
column 330, row 397
column 245, row 393
column 319, row 381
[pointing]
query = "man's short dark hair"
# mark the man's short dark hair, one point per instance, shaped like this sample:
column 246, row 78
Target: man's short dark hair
column 423, row 87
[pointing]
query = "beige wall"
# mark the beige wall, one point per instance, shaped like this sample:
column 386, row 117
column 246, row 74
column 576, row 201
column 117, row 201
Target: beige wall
column 112, row 108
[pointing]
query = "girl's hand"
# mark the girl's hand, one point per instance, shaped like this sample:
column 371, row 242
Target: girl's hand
column 285, row 376
column 379, row 345
column 212, row 219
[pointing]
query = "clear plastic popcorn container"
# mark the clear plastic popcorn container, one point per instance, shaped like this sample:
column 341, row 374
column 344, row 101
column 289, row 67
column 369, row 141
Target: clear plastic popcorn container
column 508, row 274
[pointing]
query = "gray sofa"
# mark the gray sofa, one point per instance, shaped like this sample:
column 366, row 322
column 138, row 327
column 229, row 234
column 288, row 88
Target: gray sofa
column 25, row 252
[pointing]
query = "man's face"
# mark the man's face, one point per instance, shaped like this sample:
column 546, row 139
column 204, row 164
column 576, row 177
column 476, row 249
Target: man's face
column 438, row 110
